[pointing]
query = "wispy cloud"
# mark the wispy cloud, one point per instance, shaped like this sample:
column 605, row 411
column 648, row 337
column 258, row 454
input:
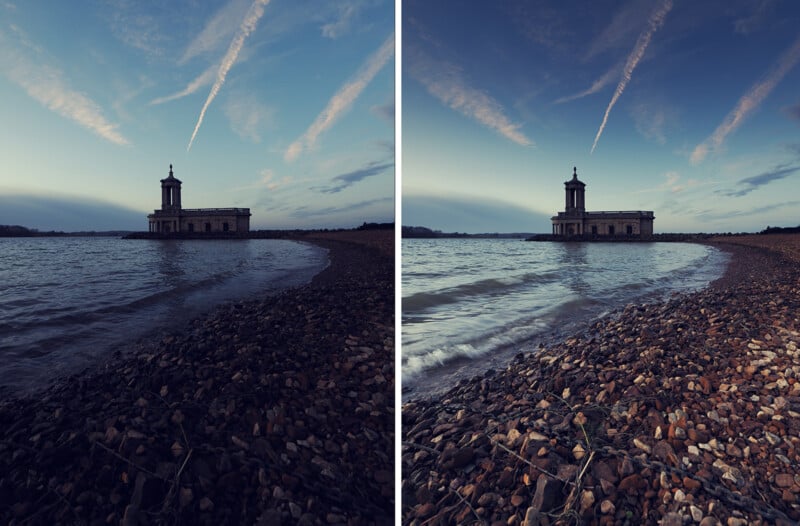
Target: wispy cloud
column 271, row 182
column 621, row 30
column 304, row 212
column 247, row 115
column 543, row 24
column 220, row 27
column 650, row 120
column 793, row 112
column 385, row 111
column 346, row 11
column 674, row 183
column 47, row 85
column 749, row 102
column 756, row 19
column 248, row 26
column 655, row 22
column 749, row 184
column 710, row 215
column 445, row 82
column 136, row 28
column 342, row 100
column 597, row 85
column 350, row 178
column 201, row 80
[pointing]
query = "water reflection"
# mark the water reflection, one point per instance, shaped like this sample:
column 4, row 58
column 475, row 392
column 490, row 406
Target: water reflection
column 574, row 264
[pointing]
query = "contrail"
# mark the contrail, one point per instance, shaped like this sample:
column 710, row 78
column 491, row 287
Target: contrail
column 342, row 100
column 748, row 103
column 656, row 20
column 248, row 25
column 445, row 81
column 22, row 63
column 203, row 79
column 596, row 86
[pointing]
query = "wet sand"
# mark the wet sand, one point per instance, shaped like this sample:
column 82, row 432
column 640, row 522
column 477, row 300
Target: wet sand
column 678, row 412
column 278, row 411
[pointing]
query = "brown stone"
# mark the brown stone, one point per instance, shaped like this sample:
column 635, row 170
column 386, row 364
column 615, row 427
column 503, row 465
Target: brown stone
column 548, row 494
column 691, row 484
column 632, row 482
column 784, row 480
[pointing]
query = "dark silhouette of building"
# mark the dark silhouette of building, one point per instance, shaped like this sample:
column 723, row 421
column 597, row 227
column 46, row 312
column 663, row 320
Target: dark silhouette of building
column 172, row 218
column 576, row 221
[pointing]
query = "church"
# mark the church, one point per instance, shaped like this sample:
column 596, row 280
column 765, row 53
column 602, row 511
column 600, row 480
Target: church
column 171, row 218
column 575, row 221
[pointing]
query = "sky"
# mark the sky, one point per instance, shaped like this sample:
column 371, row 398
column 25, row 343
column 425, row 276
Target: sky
column 282, row 106
column 689, row 109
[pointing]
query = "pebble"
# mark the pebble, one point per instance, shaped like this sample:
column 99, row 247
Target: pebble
column 701, row 383
column 206, row 417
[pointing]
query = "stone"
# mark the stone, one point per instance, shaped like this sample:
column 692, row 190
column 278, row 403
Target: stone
column 587, row 502
column 547, row 495
column 784, row 480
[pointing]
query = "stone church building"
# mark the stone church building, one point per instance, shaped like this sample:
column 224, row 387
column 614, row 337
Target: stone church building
column 576, row 221
column 174, row 219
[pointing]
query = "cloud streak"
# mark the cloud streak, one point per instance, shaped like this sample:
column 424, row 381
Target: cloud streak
column 444, row 81
column 221, row 26
column 749, row 102
column 201, row 80
column 46, row 85
column 350, row 178
column 342, row 100
column 248, row 26
column 596, row 86
column 655, row 22
column 756, row 181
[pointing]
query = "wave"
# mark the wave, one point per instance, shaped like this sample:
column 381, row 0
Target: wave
column 421, row 301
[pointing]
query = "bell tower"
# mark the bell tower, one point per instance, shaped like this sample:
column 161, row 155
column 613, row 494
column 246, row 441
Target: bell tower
column 575, row 195
column 170, row 193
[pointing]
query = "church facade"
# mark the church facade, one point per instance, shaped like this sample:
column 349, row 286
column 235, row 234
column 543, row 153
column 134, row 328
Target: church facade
column 575, row 221
column 172, row 218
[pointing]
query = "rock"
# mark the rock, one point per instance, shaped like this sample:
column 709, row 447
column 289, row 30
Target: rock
column 587, row 502
column 547, row 495
column 532, row 517
column 206, row 504
column 186, row 496
column 784, row 480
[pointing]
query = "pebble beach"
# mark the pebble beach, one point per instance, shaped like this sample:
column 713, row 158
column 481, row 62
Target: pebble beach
column 276, row 411
column 681, row 412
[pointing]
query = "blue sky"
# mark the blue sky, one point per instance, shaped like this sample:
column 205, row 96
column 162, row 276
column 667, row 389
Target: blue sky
column 689, row 109
column 283, row 106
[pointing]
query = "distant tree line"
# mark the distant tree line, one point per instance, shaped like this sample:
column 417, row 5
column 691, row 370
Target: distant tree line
column 16, row 231
column 376, row 226
column 781, row 230
column 21, row 231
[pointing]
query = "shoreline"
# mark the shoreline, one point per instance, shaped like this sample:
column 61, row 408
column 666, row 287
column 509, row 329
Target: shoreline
column 275, row 410
column 430, row 387
column 682, row 410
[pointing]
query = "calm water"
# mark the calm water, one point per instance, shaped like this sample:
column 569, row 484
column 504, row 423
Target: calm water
column 472, row 304
column 66, row 303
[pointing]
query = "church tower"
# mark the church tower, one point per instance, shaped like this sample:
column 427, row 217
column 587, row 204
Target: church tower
column 170, row 193
column 575, row 195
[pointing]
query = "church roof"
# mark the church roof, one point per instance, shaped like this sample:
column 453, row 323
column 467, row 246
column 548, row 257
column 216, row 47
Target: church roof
column 171, row 178
column 574, row 181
